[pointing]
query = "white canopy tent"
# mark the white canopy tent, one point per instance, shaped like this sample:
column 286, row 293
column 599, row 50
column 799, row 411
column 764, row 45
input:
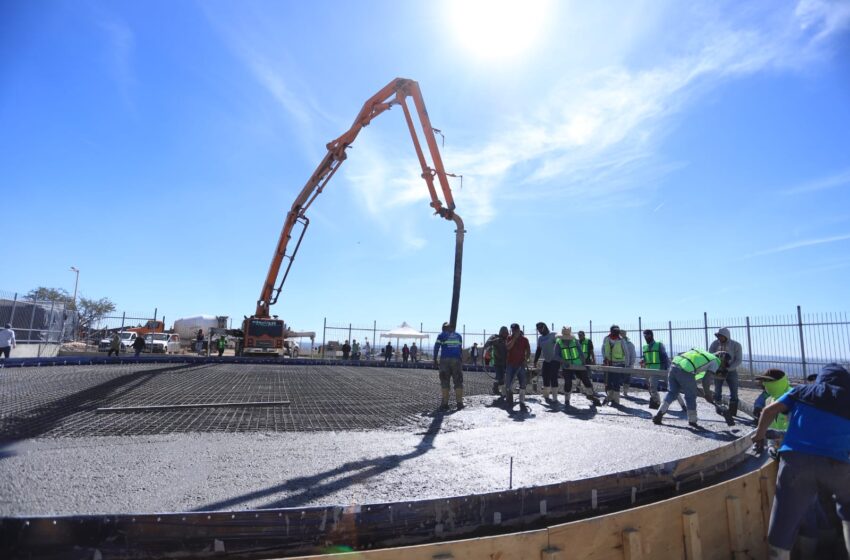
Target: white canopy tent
column 404, row 331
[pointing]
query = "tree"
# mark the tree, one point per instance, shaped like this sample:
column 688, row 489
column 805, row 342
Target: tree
column 49, row 294
column 91, row 311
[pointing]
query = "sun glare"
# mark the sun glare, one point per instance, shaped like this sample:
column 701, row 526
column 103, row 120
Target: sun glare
column 497, row 29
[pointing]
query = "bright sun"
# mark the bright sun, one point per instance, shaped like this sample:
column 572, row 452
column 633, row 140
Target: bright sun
column 498, row 29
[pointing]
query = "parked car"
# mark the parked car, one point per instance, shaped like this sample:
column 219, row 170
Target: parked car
column 163, row 343
column 127, row 339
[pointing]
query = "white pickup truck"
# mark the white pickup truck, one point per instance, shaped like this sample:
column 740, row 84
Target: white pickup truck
column 162, row 343
column 127, row 339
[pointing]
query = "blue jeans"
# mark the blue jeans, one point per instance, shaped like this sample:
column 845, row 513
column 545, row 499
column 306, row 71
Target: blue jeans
column 800, row 478
column 732, row 381
column 680, row 381
column 615, row 380
column 511, row 372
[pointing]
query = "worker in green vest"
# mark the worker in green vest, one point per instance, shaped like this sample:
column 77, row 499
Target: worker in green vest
column 689, row 367
column 573, row 363
column 615, row 353
column 222, row 344
column 775, row 384
column 655, row 358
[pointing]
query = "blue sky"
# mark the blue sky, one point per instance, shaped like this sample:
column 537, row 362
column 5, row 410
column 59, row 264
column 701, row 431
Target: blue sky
column 654, row 159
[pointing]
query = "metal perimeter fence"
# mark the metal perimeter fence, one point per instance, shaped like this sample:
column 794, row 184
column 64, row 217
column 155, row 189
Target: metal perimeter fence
column 45, row 324
column 799, row 344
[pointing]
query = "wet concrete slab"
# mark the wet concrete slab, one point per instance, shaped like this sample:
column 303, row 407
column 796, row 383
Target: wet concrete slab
column 349, row 436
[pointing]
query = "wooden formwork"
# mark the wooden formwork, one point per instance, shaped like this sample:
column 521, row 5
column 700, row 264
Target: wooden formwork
column 728, row 520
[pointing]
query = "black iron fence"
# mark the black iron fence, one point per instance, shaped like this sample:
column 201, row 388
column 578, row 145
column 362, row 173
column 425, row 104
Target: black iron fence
column 799, row 343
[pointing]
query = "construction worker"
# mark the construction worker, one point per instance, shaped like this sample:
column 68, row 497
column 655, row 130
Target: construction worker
column 586, row 348
column 449, row 364
column 551, row 362
column 139, row 345
column 114, row 345
column 655, row 358
column 222, row 344
column 615, row 353
column 574, row 363
column 689, row 367
column 728, row 371
column 355, row 350
column 775, row 384
column 519, row 350
column 631, row 356
column 814, row 457
column 496, row 345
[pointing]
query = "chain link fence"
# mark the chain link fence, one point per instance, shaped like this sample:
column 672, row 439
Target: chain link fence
column 798, row 343
column 42, row 327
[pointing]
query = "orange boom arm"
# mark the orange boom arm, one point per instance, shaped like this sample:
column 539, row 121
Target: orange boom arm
column 394, row 93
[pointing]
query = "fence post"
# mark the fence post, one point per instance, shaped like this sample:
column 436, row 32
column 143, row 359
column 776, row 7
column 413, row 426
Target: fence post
column 155, row 313
column 670, row 338
column 375, row 348
column 640, row 334
column 32, row 321
column 123, row 317
column 750, row 348
column 49, row 322
column 12, row 314
column 324, row 329
column 705, row 321
column 802, row 341
column 349, row 332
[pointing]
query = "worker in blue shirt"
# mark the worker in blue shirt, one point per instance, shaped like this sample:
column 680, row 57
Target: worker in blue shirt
column 447, row 357
column 815, row 455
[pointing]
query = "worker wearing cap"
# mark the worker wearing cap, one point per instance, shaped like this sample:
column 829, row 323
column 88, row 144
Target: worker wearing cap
column 775, row 384
column 655, row 358
column 551, row 362
column 688, row 367
column 496, row 345
column 573, row 362
column 7, row 340
column 447, row 357
column 814, row 457
column 615, row 353
column 519, row 350
column 728, row 371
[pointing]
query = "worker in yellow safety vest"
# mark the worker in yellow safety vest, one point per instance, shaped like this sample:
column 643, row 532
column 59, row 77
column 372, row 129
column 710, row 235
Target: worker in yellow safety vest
column 688, row 368
column 655, row 358
column 573, row 363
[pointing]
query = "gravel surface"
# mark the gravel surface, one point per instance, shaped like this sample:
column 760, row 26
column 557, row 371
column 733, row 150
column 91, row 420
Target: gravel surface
column 370, row 435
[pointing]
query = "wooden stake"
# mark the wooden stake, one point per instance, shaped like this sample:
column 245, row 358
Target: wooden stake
column 631, row 545
column 737, row 539
column 693, row 542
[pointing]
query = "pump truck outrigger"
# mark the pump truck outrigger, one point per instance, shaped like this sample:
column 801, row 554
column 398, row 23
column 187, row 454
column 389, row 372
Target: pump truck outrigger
column 265, row 334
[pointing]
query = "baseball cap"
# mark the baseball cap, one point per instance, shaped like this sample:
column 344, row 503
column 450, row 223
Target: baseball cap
column 772, row 374
column 648, row 331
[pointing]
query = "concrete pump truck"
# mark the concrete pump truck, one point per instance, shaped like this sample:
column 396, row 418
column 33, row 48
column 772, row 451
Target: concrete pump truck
column 264, row 334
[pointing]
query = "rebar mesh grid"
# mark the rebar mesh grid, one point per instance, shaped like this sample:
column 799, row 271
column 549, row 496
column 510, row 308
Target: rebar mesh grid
column 64, row 401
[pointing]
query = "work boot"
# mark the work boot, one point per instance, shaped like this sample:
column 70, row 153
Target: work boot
column 733, row 408
column 522, row 406
column 444, row 403
column 727, row 415
column 555, row 396
column 459, row 397
column 657, row 418
column 510, row 399
column 496, row 388
column 692, row 418
column 654, row 403
column 546, row 393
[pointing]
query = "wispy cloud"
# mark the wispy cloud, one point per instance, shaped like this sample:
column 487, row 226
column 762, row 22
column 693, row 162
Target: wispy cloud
column 798, row 245
column 121, row 45
column 597, row 134
column 840, row 179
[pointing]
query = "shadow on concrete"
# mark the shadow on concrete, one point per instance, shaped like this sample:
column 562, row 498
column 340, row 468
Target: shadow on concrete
column 41, row 419
column 305, row 489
